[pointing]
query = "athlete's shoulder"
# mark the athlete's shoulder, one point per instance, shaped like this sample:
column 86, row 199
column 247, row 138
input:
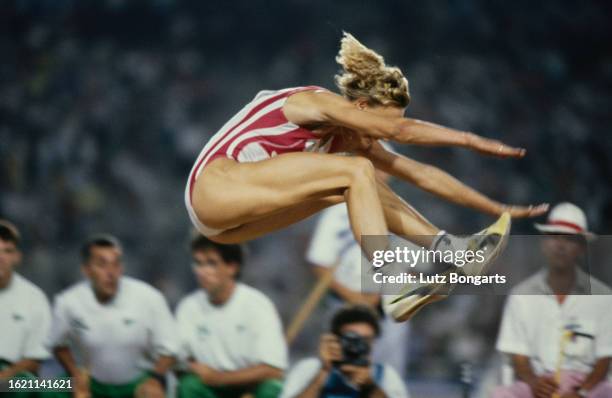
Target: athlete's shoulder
column 309, row 88
column 288, row 91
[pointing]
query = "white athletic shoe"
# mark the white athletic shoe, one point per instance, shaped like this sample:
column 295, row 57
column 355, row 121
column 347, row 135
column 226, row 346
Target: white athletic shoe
column 415, row 296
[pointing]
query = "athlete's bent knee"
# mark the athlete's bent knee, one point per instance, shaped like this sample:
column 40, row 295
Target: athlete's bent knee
column 362, row 168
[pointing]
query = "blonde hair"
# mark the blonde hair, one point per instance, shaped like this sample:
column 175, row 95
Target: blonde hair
column 365, row 75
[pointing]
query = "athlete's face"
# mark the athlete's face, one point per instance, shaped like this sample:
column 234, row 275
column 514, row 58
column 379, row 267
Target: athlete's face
column 213, row 274
column 10, row 256
column 104, row 269
column 562, row 251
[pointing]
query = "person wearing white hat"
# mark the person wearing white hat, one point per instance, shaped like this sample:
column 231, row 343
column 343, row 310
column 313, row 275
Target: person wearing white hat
column 556, row 324
column 566, row 218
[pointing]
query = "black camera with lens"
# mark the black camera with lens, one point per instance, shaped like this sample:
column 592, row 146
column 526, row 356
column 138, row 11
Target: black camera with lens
column 355, row 349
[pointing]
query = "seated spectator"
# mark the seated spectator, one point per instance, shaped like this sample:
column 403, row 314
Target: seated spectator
column 232, row 335
column 344, row 367
column 556, row 326
column 113, row 334
column 25, row 315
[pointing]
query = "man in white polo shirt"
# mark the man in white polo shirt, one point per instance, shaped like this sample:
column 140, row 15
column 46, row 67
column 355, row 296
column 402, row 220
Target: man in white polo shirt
column 24, row 313
column 561, row 300
column 232, row 335
column 119, row 328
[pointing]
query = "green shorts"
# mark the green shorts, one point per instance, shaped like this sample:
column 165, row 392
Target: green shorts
column 190, row 386
column 115, row 390
column 103, row 390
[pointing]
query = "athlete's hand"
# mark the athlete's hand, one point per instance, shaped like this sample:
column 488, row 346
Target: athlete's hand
column 330, row 350
column 150, row 388
column 525, row 211
column 492, row 147
column 543, row 387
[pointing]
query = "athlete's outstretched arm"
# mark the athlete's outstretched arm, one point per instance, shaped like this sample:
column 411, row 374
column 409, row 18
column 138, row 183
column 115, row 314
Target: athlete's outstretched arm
column 442, row 184
column 311, row 107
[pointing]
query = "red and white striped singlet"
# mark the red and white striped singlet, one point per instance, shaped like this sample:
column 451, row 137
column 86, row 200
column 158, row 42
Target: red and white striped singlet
column 259, row 131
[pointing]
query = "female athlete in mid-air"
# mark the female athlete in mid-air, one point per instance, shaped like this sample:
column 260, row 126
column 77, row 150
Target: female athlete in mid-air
column 283, row 158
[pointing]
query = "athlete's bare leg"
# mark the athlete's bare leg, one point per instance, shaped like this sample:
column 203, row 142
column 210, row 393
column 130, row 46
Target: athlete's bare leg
column 229, row 194
column 401, row 218
column 275, row 222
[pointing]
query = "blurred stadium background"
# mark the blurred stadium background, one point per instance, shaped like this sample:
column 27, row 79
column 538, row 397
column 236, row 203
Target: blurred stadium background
column 104, row 106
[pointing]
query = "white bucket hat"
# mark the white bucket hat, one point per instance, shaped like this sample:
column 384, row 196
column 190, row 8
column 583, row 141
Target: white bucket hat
column 566, row 218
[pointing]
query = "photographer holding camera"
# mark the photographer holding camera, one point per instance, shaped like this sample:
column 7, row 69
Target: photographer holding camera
column 344, row 367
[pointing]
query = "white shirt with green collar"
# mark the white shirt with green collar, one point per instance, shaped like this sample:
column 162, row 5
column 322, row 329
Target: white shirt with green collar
column 245, row 331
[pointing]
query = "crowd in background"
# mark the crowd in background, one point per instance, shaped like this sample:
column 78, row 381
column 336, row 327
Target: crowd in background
column 105, row 105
